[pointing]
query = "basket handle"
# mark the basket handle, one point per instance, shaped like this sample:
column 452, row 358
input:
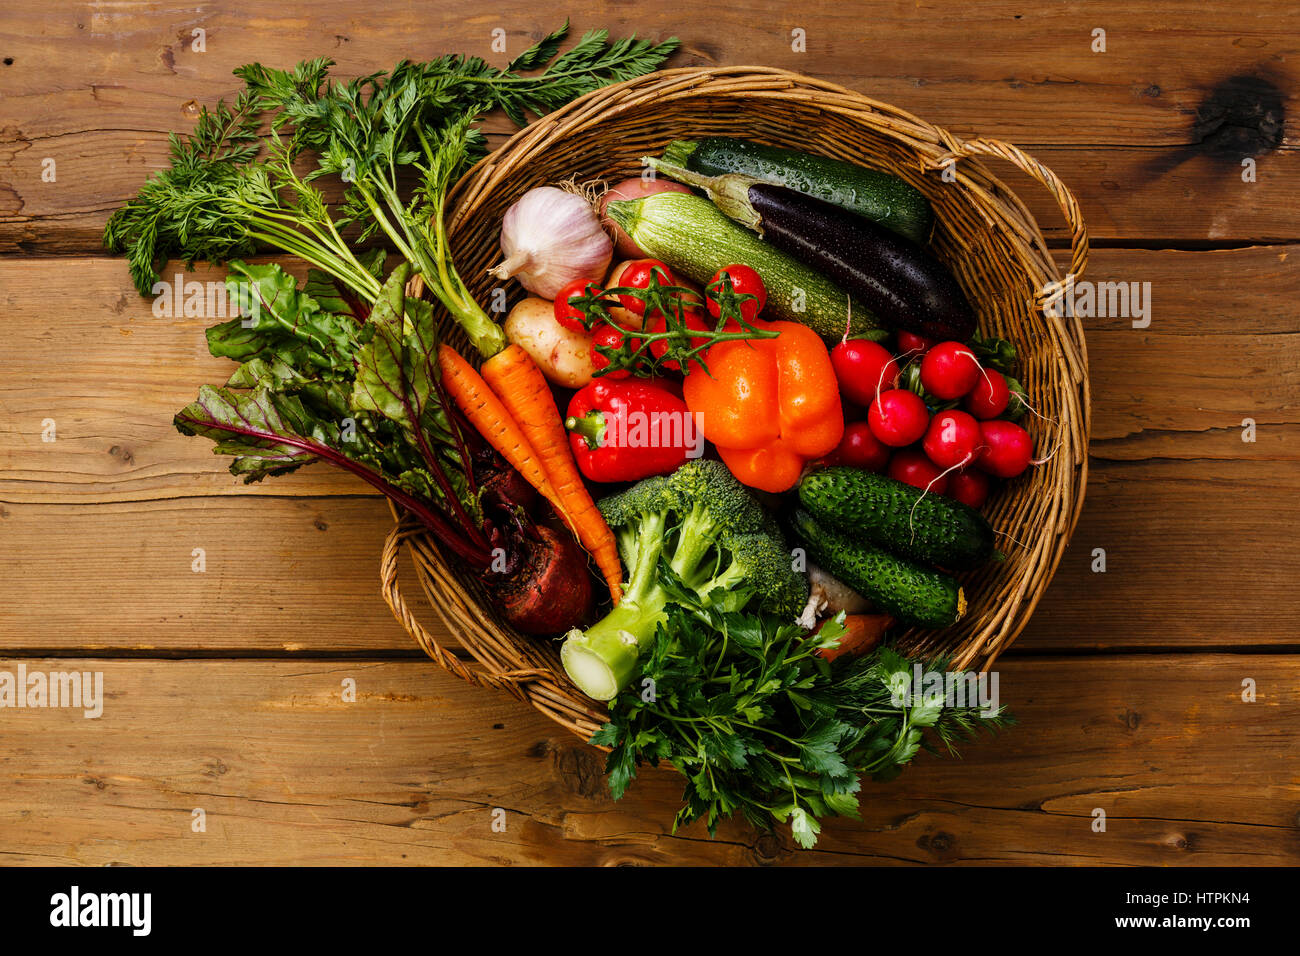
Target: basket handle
column 1065, row 200
column 511, row 681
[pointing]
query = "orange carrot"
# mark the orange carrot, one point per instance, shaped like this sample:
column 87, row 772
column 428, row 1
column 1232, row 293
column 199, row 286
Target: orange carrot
column 523, row 389
column 862, row 632
column 475, row 398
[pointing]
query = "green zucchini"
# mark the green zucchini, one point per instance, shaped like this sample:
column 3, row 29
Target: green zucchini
column 915, row 595
column 877, row 195
column 695, row 240
column 892, row 514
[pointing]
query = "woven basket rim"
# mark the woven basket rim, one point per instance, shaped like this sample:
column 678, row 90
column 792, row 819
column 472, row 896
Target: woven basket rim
column 548, row 689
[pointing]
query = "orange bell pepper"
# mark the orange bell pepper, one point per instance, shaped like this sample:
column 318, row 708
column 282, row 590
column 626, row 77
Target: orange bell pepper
column 770, row 405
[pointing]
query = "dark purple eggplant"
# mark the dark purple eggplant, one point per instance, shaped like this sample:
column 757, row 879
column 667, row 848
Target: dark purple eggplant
column 901, row 283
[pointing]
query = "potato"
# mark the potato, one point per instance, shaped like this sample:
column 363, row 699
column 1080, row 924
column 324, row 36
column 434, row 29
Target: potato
column 563, row 356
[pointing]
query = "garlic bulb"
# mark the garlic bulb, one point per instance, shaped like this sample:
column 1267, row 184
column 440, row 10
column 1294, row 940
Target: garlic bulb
column 550, row 238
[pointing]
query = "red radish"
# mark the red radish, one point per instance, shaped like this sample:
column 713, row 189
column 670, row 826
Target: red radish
column 568, row 316
column 949, row 370
column 898, row 417
column 863, row 368
column 745, row 281
column 610, row 336
column 633, row 189
column 911, row 343
column 989, row 397
column 1007, row 449
column 859, row 448
column 911, row 466
column 951, row 439
column 970, row 487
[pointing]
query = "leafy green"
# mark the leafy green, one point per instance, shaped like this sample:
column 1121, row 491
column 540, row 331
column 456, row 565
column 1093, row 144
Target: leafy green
column 994, row 353
column 316, row 385
column 230, row 190
column 760, row 725
column 723, row 552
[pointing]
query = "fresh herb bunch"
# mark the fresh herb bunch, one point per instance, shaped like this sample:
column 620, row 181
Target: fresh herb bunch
column 679, row 343
column 760, row 724
column 231, row 190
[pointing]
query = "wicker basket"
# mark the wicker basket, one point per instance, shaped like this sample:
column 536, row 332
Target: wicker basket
column 984, row 234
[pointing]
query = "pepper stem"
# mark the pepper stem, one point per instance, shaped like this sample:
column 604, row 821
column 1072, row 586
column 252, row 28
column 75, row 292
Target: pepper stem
column 590, row 426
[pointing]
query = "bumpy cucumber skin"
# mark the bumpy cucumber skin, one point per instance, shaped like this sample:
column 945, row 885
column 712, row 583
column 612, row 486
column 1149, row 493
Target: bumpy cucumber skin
column 879, row 196
column 695, row 240
column 892, row 514
column 915, row 595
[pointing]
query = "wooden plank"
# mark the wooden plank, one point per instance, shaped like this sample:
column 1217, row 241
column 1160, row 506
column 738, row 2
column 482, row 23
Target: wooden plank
column 110, row 375
column 1197, row 553
column 410, row 773
column 85, row 352
column 288, row 575
column 1144, row 89
column 1187, row 101
column 279, row 576
column 1125, row 192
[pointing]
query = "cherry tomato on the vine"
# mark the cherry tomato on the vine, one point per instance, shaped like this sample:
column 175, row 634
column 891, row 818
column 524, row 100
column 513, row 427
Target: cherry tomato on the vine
column 693, row 319
column 568, row 316
column 610, row 336
column 744, row 281
column 637, row 276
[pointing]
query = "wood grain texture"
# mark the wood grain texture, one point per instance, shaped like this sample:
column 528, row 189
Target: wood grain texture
column 280, row 576
column 299, row 575
column 87, row 353
column 411, row 772
column 1127, row 683
column 1137, row 130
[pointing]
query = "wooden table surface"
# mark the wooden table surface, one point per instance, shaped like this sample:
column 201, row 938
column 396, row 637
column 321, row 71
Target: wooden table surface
column 223, row 688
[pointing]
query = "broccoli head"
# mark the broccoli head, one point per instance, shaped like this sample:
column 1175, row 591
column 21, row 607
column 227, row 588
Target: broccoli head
column 703, row 532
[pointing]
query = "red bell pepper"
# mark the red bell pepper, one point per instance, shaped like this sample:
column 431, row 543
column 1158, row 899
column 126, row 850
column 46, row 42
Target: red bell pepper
column 629, row 430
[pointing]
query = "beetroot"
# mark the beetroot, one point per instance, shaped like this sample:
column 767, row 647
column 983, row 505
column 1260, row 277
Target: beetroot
column 549, row 590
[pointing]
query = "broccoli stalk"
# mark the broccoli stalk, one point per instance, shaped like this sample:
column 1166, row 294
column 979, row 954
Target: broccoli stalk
column 602, row 659
column 701, row 529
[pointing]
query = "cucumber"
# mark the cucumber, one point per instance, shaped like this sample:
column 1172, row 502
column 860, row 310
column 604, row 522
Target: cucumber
column 695, row 240
column 913, row 594
column 925, row 527
column 877, row 195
